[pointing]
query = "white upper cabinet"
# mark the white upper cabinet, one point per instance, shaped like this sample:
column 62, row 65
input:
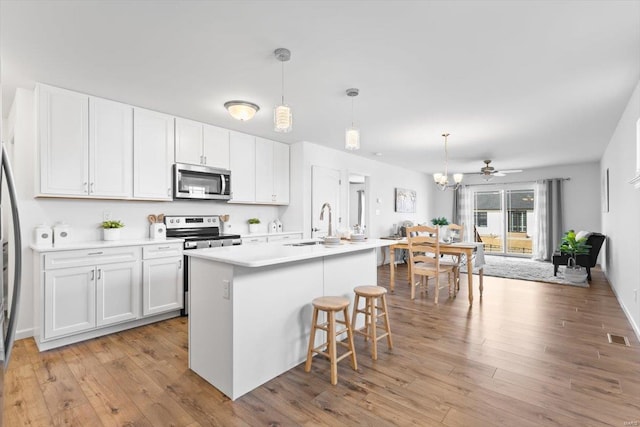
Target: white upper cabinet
column 201, row 144
column 215, row 147
column 242, row 154
column 281, row 169
column 63, row 120
column 110, row 148
column 153, row 148
column 188, row 142
column 272, row 172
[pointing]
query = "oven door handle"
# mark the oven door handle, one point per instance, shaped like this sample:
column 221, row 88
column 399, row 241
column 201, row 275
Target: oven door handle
column 223, row 179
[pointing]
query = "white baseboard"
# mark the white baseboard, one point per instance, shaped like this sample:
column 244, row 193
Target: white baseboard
column 626, row 311
column 24, row 333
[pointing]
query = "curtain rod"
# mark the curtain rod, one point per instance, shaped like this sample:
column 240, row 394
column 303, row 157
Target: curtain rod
column 517, row 182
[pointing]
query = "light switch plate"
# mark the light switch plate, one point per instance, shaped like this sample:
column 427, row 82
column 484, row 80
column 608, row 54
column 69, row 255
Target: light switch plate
column 226, row 289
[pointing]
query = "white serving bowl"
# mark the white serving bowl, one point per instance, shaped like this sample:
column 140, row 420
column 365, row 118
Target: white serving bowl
column 332, row 240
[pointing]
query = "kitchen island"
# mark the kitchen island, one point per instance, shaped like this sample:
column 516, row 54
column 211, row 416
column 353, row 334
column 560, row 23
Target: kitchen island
column 250, row 306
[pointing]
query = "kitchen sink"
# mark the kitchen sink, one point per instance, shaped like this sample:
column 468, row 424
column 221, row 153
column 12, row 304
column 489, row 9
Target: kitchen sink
column 313, row 243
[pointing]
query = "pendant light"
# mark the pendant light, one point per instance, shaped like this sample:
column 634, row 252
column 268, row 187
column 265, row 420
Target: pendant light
column 352, row 135
column 282, row 117
column 442, row 180
column 241, row 110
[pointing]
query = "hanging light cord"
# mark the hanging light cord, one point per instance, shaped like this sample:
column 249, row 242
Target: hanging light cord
column 352, row 111
column 446, row 155
column 282, row 82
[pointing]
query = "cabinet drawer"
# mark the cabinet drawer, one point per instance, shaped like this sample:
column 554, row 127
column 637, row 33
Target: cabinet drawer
column 279, row 238
column 252, row 240
column 80, row 258
column 162, row 250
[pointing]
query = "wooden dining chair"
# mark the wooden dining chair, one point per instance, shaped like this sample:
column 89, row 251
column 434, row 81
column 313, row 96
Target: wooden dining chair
column 456, row 232
column 424, row 259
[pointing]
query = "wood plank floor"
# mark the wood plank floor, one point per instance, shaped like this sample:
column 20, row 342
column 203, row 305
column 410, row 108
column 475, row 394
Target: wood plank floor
column 526, row 354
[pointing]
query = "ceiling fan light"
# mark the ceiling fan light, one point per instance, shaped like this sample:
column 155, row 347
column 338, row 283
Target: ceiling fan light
column 282, row 119
column 241, row 110
column 352, row 139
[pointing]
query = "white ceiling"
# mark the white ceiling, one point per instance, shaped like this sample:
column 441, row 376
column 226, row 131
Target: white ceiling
column 525, row 83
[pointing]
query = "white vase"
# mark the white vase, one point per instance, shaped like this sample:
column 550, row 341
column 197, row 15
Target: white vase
column 111, row 234
column 253, row 228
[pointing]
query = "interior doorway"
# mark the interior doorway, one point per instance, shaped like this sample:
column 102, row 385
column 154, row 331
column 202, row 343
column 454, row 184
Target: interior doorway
column 358, row 215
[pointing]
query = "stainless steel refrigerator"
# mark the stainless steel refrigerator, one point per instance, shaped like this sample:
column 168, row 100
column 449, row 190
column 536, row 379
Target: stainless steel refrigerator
column 9, row 301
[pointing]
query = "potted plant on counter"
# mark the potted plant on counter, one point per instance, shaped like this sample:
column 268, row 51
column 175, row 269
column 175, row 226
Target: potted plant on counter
column 111, row 229
column 253, row 225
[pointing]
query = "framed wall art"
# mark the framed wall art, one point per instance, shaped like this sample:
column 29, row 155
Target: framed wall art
column 405, row 200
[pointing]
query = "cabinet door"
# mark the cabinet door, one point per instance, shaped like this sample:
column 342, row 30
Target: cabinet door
column 242, row 152
column 69, row 301
column 162, row 285
column 63, row 119
column 264, row 170
column 118, row 292
column 110, row 149
column 153, row 144
column 281, row 173
column 216, row 147
column 189, row 142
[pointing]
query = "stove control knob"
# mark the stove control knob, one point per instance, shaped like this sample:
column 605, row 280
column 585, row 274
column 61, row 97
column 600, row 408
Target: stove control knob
column 209, row 220
column 171, row 221
column 178, row 220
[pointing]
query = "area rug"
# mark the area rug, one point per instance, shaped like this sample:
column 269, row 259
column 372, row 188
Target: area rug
column 525, row 269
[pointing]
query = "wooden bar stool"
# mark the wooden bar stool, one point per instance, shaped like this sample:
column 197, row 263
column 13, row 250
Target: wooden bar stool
column 331, row 305
column 372, row 311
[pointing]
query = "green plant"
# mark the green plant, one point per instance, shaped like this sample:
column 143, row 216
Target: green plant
column 573, row 246
column 439, row 221
column 112, row 224
column 253, row 221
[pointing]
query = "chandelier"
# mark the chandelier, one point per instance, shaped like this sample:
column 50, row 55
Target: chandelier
column 442, row 179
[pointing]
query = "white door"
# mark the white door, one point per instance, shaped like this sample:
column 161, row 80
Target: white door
column 216, row 147
column 118, row 292
column 69, row 301
column 110, row 149
column 325, row 188
column 264, row 170
column 189, row 142
column 63, row 120
column 162, row 285
column 242, row 154
column 153, row 144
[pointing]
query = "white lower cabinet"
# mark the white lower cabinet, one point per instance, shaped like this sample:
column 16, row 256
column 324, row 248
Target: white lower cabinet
column 69, row 301
column 82, row 294
column 162, row 277
column 118, row 293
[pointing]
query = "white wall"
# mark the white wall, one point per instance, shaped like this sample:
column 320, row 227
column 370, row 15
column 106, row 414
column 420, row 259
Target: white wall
column 84, row 216
column 581, row 193
column 621, row 224
column 383, row 179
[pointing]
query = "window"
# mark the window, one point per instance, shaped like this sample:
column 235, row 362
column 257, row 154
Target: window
column 481, row 219
column 517, row 221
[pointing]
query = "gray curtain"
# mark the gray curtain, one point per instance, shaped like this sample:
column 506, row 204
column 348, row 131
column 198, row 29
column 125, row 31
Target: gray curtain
column 548, row 212
column 456, row 215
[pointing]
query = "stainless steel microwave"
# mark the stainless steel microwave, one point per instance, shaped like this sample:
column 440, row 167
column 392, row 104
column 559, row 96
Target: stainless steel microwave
column 201, row 182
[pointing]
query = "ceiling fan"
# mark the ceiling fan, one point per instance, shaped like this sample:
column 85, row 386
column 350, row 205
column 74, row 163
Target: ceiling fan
column 488, row 171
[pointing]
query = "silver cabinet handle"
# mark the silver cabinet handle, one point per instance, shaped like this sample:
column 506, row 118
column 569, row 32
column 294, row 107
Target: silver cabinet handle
column 86, row 188
column 95, row 253
column 93, row 274
column 164, row 247
column 180, row 265
column 91, row 188
column 169, row 192
column 205, row 160
column 99, row 273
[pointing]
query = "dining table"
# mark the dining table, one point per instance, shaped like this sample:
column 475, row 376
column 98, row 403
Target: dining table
column 455, row 248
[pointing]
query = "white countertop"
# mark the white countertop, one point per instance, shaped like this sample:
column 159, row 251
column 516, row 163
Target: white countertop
column 280, row 233
column 101, row 244
column 261, row 255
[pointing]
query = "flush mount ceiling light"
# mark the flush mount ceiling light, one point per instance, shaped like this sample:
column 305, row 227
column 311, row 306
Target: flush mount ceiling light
column 352, row 135
column 241, row 110
column 442, row 180
column 282, row 117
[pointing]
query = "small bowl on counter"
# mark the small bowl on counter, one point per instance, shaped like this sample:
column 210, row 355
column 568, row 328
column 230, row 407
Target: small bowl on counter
column 331, row 240
column 357, row 237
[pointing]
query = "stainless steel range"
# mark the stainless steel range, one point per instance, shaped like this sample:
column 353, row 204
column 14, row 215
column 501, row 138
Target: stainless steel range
column 198, row 231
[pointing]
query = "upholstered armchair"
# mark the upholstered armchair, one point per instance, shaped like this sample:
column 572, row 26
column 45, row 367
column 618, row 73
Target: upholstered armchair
column 595, row 240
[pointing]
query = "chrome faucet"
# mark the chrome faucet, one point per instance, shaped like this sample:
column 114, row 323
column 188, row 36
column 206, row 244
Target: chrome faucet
column 326, row 205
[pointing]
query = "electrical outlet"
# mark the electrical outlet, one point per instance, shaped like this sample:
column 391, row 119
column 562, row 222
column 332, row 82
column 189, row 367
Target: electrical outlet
column 106, row 216
column 226, row 291
column 635, row 295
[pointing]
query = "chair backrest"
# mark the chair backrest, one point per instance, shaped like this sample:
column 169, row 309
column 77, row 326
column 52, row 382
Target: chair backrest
column 456, row 232
column 595, row 240
column 424, row 245
column 476, row 235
